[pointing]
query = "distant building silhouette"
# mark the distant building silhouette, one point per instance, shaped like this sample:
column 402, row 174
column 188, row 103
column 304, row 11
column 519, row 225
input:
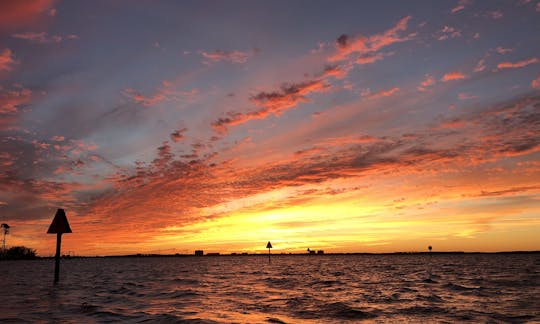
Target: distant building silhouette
column 199, row 252
column 320, row 252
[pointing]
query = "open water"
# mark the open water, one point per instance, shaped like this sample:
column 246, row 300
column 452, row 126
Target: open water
column 292, row 289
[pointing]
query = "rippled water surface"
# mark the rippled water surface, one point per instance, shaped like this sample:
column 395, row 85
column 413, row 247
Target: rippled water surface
column 292, row 289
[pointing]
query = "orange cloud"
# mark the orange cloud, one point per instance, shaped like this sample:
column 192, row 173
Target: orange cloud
column 346, row 46
column 335, row 71
column 518, row 64
column 453, row 76
column 6, row 60
column 379, row 94
column 16, row 13
column 289, row 96
column 535, row 84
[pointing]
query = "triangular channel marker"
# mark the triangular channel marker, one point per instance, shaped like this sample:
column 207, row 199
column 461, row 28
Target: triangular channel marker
column 269, row 245
column 59, row 224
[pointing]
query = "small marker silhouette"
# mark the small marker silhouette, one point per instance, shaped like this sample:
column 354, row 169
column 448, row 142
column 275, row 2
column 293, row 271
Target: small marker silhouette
column 269, row 246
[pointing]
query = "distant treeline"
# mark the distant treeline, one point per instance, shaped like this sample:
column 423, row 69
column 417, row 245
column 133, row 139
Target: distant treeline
column 18, row 253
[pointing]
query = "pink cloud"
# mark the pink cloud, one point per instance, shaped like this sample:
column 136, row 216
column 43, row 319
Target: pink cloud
column 235, row 56
column 502, row 50
column 466, row 96
column 518, row 64
column 460, row 6
column 535, row 84
column 10, row 100
column 453, row 76
column 57, row 138
column 43, row 37
column 480, row 66
column 448, row 32
column 16, row 13
column 7, row 60
column 427, row 82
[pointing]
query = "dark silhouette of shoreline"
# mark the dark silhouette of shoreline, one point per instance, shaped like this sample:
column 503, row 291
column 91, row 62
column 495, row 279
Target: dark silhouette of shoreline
column 239, row 255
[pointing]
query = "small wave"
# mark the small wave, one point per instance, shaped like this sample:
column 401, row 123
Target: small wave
column 343, row 311
column 275, row 320
column 431, row 298
column 456, row 287
column 187, row 281
column 183, row 293
column 423, row 310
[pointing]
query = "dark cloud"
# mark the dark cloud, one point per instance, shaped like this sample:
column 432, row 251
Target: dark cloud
column 178, row 135
column 272, row 103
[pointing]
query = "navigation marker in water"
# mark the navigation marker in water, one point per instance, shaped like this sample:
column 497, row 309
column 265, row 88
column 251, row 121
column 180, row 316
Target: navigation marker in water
column 58, row 226
column 269, row 246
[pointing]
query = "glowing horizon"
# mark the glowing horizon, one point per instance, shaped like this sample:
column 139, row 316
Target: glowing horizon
column 170, row 127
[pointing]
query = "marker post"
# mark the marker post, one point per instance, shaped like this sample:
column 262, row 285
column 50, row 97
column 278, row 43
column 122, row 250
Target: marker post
column 269, row 246
column 58, row 226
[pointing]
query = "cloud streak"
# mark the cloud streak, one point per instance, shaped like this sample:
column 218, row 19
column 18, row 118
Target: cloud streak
column 235, row 56
column 518, row 64
column 43, row 37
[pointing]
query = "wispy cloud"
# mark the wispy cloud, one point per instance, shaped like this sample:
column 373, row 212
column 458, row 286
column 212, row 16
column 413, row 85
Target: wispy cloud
column 273, row 103
column 518, row 64
column 448, row 32
column 166, row 92
column 502, row 50
column 426, row 83
column 460, row 5
column 451, row 76
column 234, row 56
column 480, row 66
column 495, row 14
column 43, row 37
column 379, row 94
column 364, row 46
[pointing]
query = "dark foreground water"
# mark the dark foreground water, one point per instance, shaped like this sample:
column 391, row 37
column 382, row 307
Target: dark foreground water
column 292, row 289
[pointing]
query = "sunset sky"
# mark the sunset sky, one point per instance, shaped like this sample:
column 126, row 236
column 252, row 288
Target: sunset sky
column 170, row 126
